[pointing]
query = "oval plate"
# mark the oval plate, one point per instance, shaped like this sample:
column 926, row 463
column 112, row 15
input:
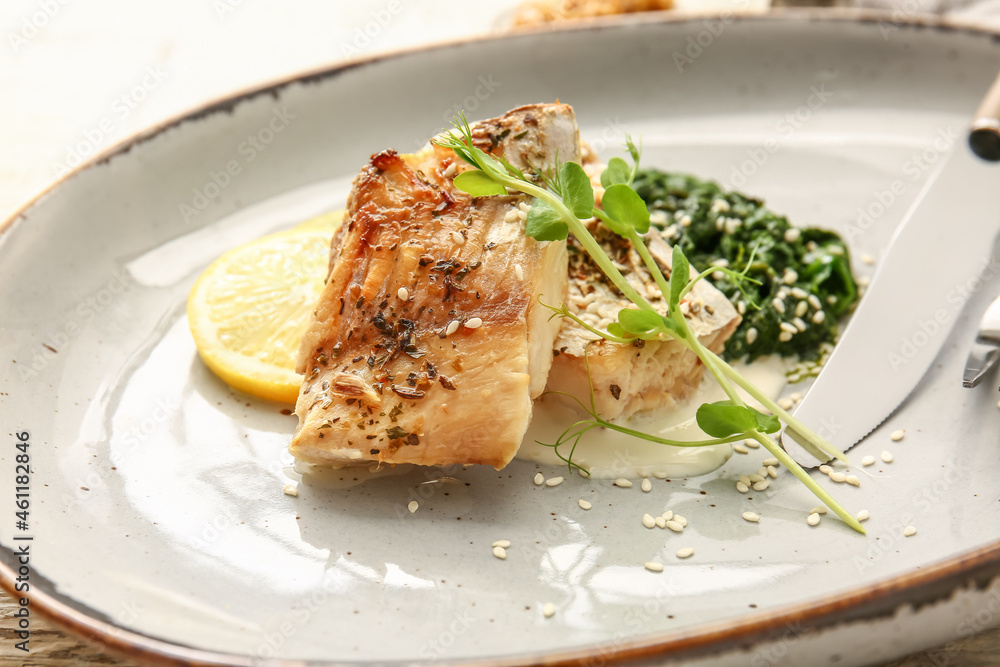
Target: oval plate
column 157, row 517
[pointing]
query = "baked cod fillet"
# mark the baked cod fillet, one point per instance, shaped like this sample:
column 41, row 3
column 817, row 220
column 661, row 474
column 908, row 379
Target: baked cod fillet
column 646, row 375
column 429, row 343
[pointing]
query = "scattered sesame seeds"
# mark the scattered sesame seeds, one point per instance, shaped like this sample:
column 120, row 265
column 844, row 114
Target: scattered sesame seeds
column 686, row 552
column 825, row 469
column 838, row 477
column 500, row 553
column 553, row 481
column 813, row 519
column 524, row 207
column 745, row 480
column 458, row 238
column 653, row 566
column 770, row 462
column 548, row 610
column 772, row 472
column 584, row 505
column 800, row 293
column 762, row 486
column 623, row 483
column 786, row 403
column 539, row 479
column 867, row 259
column 799, row 324
column 681, row 520
column 668, row 515
column 751, row 443
column 660, row 474
column 863, row 515
column 819, row 509
column 647, row 486
column 291, row 490
column 413, row 506
column 474, row 323
column 853, row 480
column 814, row 301
column 741, row 487
column 778, row 305
column 818, row 317
column 674, row 526
column 452, row 328
column 909, row 531
column 796, row 396
column 660, row 522
column 751, row 334
column 450, row 170
column 501, row 543
column 403, row 294
column 741, row 308
column 785, row 336
column 790, row 277
column 648, row 521
column 511, row 216
column 740, row 449
column 887, row 456
column 792, row 235
column 789, row 327
column 754, row 478
column 868, row 460
column 897, row 435
column 519, row 272
column 800, row 308
column 752, row 517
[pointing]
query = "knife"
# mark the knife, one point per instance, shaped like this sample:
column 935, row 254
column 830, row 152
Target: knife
column 985, row 349
column 934, row 259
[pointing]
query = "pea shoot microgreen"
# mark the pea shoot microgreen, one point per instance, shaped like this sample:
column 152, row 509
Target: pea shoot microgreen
column 559, row 209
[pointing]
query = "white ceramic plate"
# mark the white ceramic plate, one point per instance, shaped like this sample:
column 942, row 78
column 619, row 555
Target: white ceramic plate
column 158, row 518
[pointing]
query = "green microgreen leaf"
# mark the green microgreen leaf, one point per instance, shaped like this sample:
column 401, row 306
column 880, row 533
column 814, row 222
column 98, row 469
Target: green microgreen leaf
column 576, row 191
column 766, row 423
column 640, row 322
column 544, row 223
column 626, row 207
column 618, row 330
column 722, row 419
column 680, row 274
column 616, row 172
column 478, row 184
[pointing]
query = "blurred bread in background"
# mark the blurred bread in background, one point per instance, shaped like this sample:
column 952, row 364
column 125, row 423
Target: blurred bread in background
column 538, row 12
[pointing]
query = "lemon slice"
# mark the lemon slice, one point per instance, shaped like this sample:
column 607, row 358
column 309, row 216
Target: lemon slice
column 249, row 309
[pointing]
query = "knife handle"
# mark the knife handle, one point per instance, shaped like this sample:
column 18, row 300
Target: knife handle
column 984, row 133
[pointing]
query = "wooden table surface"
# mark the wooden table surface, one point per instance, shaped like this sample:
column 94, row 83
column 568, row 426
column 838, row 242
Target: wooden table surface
column 61, row 83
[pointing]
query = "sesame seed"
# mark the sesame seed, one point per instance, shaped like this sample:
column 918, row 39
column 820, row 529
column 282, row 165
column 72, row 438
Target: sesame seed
column 548, row 610
column 458, row 238
column 745, row 480
column 501, row 543
column 473, row 323
column 799, row 324
column 740, row 449
column 762, row 486
column 786, row 403
column 754, row 478
column 770, row 462
column 868, row 460
column 519, row 272
column 796, row 396
column 452, row 328
column 813, row 519
column 867, row 259
column 898, row 435
column 524, row 207
column 762, row 471
column 685, row 220
column 681, row 520
column 450, row 170
column 741, row 308
column 623, row 483
column 686, row 552
column 660, row 474
column 772, row 472
column 825, row 469
column 653, row 566
column 818, row 317
column 831, row 300
column 500, row 553
column 554, row 481
column 792, row 235
column 789, row 327
column 539, row 479
column 661, row 522
column 403, row 294
column 909, row 531
column 751, row 517
column 782, row 294
column 674, row 526
column 853, row 480
column 647, row 486
column 814, row 301
column 720, row 206
column 718, row 275
column 778, row 305
column 784, row 336
column 863, row 515
column 668, row 515
column 511, row 216
column 800, row 293
column 291, row 490
column 751, row 334
column 887, row 457
column 648, row 521
column 800, row 309
column 741, row 487
column 838, row 477
column 413, row 506
column 790, row 277
column 584, row 505
column 751, row 443
column 819, row 509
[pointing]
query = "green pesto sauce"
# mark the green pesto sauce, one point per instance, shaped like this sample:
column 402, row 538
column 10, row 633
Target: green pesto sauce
column 712, row 224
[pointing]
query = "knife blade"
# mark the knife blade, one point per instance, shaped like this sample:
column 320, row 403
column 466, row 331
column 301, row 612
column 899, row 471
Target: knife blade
column 985, row 349
column 934, row 259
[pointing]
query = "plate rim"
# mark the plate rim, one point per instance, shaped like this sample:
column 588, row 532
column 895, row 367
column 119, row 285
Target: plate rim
column 971, row 570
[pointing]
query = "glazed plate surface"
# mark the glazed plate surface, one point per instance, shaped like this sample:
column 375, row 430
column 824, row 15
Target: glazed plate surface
column 158, row 517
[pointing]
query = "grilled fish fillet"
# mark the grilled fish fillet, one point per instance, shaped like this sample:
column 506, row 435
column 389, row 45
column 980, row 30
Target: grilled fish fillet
column 428, row 342
column 647, row 375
